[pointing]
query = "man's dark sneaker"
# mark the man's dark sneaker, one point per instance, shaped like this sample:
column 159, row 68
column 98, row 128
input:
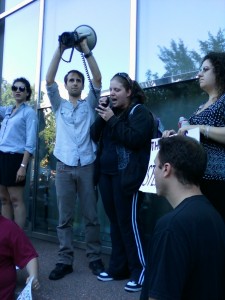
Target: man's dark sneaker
column 132, row 286
column 60, row 271
column 97, row 266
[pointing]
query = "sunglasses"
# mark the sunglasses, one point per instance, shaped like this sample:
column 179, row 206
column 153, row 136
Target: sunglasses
column 127, row 77
column 20, row 88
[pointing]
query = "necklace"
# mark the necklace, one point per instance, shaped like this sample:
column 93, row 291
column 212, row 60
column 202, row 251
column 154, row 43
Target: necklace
column 206, row 105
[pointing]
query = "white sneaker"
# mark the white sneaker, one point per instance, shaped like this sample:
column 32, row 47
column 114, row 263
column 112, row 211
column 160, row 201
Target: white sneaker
column 133, row 286
column 104, row 277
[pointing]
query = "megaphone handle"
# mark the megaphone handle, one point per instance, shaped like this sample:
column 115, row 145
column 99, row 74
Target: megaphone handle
column 71, row 55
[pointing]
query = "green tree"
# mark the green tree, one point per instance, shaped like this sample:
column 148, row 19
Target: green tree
column 178, row 59
column 6, row 94
column 47, row 138
column 214, row 43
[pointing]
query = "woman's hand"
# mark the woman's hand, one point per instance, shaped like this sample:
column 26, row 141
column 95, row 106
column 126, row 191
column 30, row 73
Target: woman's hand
column 103, row 108
column 104, row 112
column 104, row 101
column 21, row 174
column 168, row 133
column 183, row 130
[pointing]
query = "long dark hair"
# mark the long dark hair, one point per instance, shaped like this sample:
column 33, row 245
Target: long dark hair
column 217, row 59
column 137, row 93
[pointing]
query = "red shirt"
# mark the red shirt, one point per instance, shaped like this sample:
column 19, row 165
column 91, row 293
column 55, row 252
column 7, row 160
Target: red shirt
column 15, row 250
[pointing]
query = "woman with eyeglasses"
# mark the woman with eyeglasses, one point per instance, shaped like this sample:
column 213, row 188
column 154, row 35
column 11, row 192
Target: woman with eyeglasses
column 210, row 119
column 17, row 145
column 123, row 131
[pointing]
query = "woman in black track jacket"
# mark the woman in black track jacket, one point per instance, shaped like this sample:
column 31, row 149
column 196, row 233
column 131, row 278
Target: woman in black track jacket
column 123, row 131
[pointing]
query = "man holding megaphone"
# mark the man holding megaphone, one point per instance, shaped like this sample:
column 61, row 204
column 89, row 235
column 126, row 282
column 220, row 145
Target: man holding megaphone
column 75, row 154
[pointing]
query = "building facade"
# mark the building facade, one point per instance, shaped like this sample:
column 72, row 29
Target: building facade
column 152, row 40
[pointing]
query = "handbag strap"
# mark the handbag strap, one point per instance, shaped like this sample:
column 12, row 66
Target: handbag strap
column 132, row 110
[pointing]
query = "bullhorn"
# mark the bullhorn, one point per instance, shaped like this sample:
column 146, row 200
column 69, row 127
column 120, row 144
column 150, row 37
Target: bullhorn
column 89, row 33
column 72, row 39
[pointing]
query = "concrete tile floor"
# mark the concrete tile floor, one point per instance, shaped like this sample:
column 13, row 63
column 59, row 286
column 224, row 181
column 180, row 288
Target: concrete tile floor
column 79, row 285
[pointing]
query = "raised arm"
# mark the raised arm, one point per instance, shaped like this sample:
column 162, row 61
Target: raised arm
column 54, row 64
column 97, row 77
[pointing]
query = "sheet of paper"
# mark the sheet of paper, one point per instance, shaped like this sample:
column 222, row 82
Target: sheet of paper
column 194, row 133
column 26, row 293
column 148, row 185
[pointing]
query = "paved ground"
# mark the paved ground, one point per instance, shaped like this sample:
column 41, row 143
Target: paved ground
column 79, row 285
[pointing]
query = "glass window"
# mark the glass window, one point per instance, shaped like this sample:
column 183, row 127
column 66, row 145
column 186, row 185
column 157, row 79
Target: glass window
column 111, row 24
column 20, row 44
column 171, row 101
column 46, row 212
column 19, row 60
column 174, row 35
column 11, row 3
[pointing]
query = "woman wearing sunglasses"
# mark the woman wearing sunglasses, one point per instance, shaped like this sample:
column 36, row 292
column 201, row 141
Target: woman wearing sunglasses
column 123, row 130
column 17, row 145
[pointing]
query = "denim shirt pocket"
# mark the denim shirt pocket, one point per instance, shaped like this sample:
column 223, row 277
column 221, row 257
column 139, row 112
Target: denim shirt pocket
column 67, row 115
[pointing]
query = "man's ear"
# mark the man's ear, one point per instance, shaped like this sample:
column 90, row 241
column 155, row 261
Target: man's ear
column 167, row 169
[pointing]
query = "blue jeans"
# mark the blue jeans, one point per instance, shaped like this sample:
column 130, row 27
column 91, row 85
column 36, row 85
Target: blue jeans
column 73, row 182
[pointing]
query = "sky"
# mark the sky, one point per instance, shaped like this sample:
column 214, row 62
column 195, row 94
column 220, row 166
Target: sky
column 159, row 22
column 108, row 21
column 164, row 20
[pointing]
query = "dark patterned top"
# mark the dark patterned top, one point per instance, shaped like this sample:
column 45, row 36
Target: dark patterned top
column 214, row 115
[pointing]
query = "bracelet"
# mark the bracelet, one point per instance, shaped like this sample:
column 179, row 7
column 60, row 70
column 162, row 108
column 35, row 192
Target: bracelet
column 206, row 131
column 22, row 165
column 88, row 54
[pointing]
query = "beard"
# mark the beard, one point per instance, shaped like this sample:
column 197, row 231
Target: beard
column 75, row 93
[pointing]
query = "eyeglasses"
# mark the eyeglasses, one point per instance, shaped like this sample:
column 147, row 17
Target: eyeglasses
column 205, row 69
column 127, row 77
column 20, row 88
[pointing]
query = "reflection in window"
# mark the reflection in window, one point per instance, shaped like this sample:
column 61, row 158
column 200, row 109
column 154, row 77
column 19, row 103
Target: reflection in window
column 112, row 27
column 19, row 59
column 170, row 101
column 20, row 44
column 46, row 218
column 11, row 3
column 173, row 36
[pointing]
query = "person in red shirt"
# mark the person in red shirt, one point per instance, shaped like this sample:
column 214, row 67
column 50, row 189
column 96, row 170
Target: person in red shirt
column 15, row 250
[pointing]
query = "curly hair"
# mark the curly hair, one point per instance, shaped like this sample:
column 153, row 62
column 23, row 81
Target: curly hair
column 137, row 93
column 217, row 59
column 27, row 85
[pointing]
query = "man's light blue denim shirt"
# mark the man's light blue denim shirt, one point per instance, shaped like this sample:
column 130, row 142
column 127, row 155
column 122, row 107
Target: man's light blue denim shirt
column 73, row 142
column 18, row 131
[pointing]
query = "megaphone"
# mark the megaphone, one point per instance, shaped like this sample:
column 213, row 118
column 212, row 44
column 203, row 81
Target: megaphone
column 88, row 32
column 72, row 39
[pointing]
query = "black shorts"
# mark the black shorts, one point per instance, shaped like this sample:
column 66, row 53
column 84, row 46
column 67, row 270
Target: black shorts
column 9, row 166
